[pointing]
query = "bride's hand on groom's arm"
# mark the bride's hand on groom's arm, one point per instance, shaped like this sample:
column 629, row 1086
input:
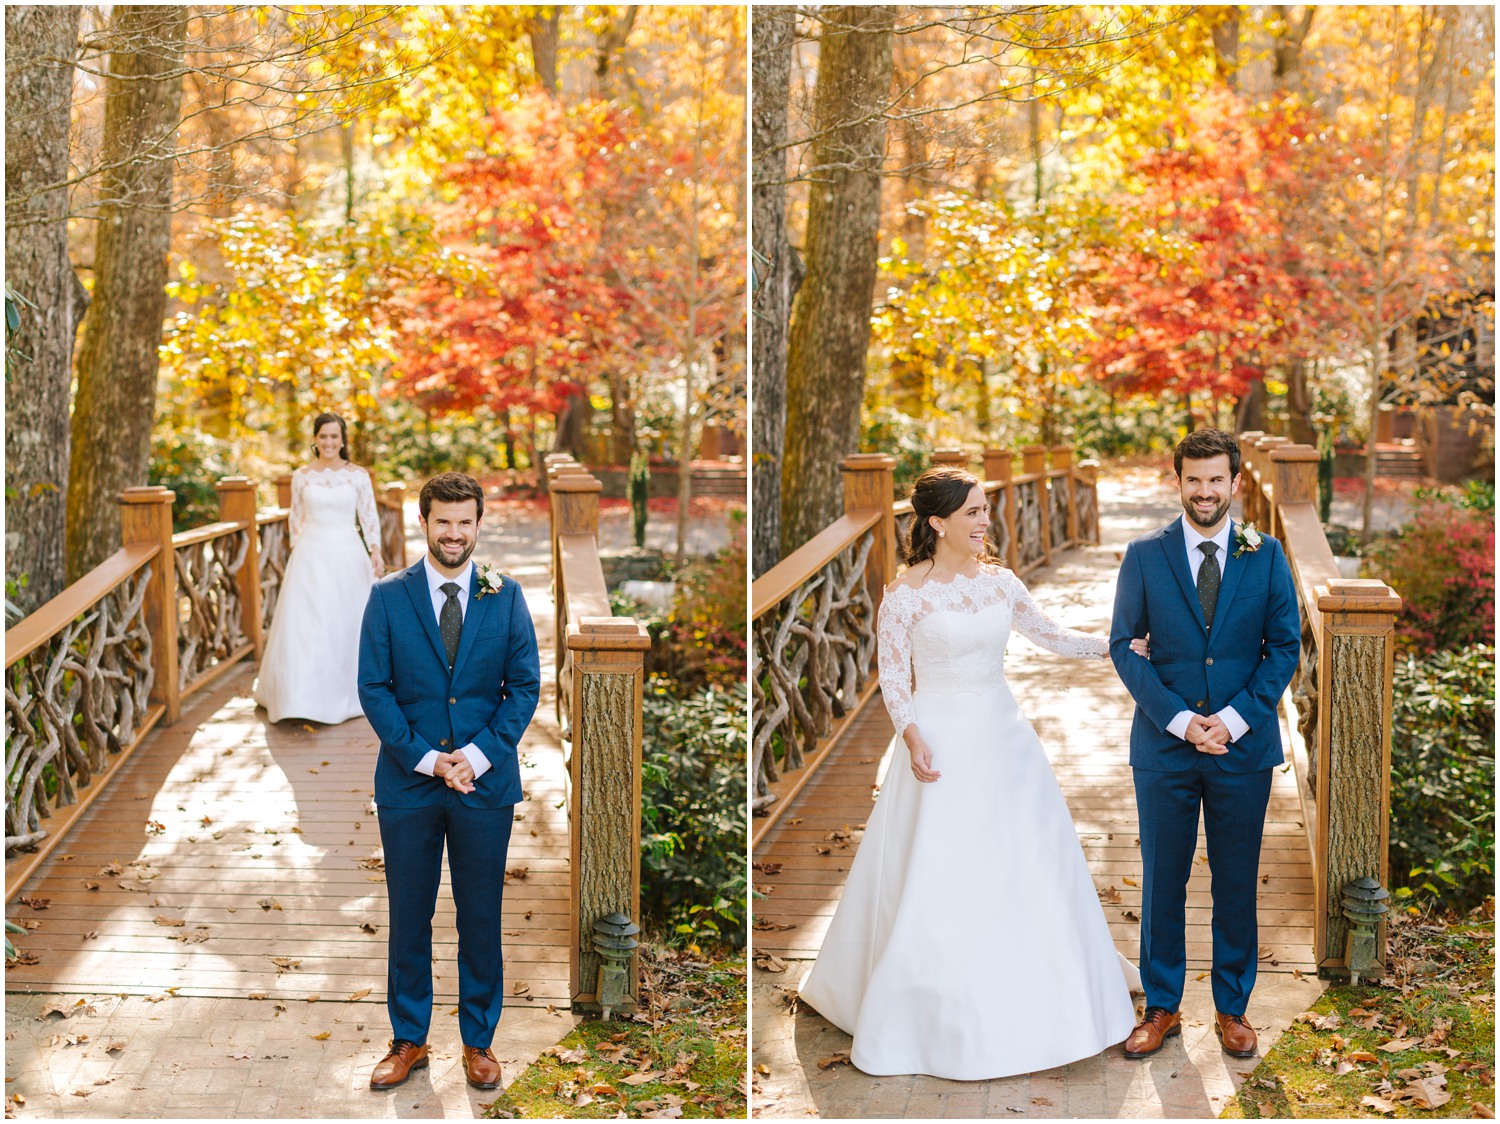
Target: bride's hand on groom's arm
column 921, row 759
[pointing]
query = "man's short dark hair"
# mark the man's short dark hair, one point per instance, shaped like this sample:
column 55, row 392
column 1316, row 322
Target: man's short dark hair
column 1204, row 444
column 451, row 487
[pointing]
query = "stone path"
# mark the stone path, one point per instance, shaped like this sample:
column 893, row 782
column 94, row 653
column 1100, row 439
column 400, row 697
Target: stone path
column 1191, row 1077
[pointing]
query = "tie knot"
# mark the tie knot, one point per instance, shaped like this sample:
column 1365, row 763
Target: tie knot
column 450, row 588
column 1208, row 548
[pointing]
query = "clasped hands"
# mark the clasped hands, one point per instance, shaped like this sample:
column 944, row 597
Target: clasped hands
column 455, row 770
column 1208, row 733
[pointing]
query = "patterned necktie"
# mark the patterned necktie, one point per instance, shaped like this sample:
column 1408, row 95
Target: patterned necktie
column 451, row 621
column 1208, row 582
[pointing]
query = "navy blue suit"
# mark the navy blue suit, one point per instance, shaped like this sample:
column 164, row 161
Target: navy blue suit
column 1246, row 663
column 415, row 705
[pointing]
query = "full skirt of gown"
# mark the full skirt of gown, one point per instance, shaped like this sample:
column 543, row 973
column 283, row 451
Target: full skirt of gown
column 970, row 942
column 310, row 668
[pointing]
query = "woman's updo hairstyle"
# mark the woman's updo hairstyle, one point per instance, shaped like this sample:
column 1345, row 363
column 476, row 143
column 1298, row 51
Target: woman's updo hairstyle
column 939, row 491
column 323, row 419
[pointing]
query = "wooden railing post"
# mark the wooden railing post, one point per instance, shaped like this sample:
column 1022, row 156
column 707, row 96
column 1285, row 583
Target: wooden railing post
column 1264, row 447
column 1294, row 478
column 870, row 481
column 1353, row 761
column 1088, row 473
column 1034, row 461
column 395, row 496
column 284, row 491
column 237, row 505
column 1062, row 457
column 146, row 517
column 999, row 466
column 608, row 676
column 574, row 500
column 955, row 457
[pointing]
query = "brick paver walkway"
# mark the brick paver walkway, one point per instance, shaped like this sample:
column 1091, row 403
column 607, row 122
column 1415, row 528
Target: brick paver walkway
column 1191, row 1077
column 224, row 810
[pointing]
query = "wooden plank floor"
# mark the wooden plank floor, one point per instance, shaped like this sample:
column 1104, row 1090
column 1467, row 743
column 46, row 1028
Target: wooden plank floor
column 1082, row 713
column 262, row 840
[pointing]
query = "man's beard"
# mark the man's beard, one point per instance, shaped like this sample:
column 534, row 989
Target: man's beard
column 435, row 547
column 1218, row 513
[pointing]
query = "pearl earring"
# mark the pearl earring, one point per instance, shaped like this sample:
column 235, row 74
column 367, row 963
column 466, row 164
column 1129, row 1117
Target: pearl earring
column 942, row 534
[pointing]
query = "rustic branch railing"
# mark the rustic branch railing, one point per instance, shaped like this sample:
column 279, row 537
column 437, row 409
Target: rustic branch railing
column 1338, row 707
column 92, row 671
column 599, row 665
column 813, row 659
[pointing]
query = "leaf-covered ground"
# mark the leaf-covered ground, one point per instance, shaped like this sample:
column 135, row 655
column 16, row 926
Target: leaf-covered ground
column 682, row 1055
column 1419, row 1044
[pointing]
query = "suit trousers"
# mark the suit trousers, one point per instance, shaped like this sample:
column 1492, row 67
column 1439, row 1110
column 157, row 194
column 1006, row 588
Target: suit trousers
column 1234, row 818
column 477, row 840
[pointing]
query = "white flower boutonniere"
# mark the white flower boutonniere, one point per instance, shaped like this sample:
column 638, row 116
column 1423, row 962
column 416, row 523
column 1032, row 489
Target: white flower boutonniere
column 1248, row 537
column 488, row 580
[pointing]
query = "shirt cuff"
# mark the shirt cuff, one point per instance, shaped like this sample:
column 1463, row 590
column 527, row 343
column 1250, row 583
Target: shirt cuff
column 1234, row 723
column 1178, row 726
column 428, row 763
column 477, row 759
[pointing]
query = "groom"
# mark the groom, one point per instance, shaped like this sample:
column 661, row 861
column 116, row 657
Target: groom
column 1220, row 609
column 448, row 677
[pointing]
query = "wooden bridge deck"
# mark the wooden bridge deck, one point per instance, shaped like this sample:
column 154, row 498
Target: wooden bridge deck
column 229, row 843
column 1082, row 713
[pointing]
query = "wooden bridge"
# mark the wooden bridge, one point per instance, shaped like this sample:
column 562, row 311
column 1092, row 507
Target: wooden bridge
column 164, row 839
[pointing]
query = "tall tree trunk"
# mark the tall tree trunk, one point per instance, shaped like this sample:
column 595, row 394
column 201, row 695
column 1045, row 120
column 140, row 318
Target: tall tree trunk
column 38, row 364
column 117, row 359
column 1226, row 34
column 541, row 31
column 831, row 316
column 777, row 271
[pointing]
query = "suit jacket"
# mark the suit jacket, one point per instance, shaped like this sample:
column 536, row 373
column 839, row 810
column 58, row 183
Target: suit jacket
column 1246, row 663
column 415, row 706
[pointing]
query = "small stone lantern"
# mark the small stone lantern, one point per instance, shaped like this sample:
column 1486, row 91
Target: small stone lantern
column 1364, row 905
column 614, row 941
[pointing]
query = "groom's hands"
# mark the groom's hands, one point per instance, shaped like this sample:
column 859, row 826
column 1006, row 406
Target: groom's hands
column 1208, row 733
column 455, row 771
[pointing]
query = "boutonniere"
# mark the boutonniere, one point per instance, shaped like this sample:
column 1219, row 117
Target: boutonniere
column 488, row 580
column 1248, row 537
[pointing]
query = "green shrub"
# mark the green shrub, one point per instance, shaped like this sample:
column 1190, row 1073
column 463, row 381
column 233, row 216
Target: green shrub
column 190, row 462
column 1442, row 845
column 1443, row 566
column 693, row 878
column 705, row 632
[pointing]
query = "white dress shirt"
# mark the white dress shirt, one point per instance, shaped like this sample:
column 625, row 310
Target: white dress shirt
column 435, row 582
column 1193, row 540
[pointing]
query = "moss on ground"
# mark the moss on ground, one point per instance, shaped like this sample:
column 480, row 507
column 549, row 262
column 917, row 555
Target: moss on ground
column 1438, row 1002
column 683, row 1054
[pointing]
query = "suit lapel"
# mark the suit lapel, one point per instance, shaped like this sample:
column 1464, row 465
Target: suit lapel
column 1175, row 548
column 421, row 601
column 478, row 606
column 1233, row 568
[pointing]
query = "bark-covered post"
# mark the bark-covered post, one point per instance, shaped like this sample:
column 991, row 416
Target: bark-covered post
column 1034, row 462
column 146, row 517
column 1062, row 457
column 237, row 505
column 1355, row 661
column 608, row 674
column 870, row 481
column 998, row 466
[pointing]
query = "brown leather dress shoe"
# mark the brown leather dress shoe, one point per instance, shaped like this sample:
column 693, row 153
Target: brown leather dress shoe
column 481, row 1068
column 396, row 1067
column 1235, row 1034
column 1155, row 1028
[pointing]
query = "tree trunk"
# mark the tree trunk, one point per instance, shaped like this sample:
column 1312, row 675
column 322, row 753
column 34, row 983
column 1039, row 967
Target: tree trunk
column 117, row 359
column 831, row 317
column 777, row 272
column 541, row 31
column 572, row 423
column 621, row 416
column 1299, row 404
column 1226, row 33
column 39, row 357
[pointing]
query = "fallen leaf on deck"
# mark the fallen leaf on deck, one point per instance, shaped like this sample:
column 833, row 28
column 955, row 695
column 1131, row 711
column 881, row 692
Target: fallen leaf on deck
column 240, row 1055
column 767, row 868
column 768, row 926
column 36, row 903
column 520, row 988
column 256, row 995
column 367, row 928
column 65, row 1009
column 269, row 904
column 114, row 1047
column 321, row 1037
column 1130, row 882
column 770, row 963
column 360, row 994
column 91, row 885
column 1041, row 1101
column 285, row 964
column 91, row 935
column 170, row 921
column 840, row 1058
column 1110, row 895
column 1200, row 976
column 518, row 873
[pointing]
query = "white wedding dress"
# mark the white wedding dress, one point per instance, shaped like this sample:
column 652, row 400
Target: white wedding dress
column 310, row 668
column 969, row 942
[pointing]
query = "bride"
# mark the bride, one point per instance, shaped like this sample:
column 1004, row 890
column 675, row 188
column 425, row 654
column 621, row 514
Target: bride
column 969, row 942
column 311, row 659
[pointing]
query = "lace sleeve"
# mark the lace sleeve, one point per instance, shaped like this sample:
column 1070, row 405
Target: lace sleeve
column 893, row 637
column 369, row 517
column 299, row 507
column 1031, row 622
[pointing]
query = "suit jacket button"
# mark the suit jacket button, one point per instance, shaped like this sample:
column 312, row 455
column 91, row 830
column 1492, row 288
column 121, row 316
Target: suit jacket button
column 1209, row 661
column 451, row 702
column 1199, row 704
column 445, row 740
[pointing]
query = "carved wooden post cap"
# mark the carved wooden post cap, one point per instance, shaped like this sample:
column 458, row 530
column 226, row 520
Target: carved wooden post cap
column 581, row 482
column 955, row 457
column 395, row 487
column 1088, row 470
column 1271, row 441
column 1358, row 595
column 868, row 462
column 616, row 634
column 1033, row 458
column 1295, row 453
column 148, row 493
column 1062, row 456
column 998, row 464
